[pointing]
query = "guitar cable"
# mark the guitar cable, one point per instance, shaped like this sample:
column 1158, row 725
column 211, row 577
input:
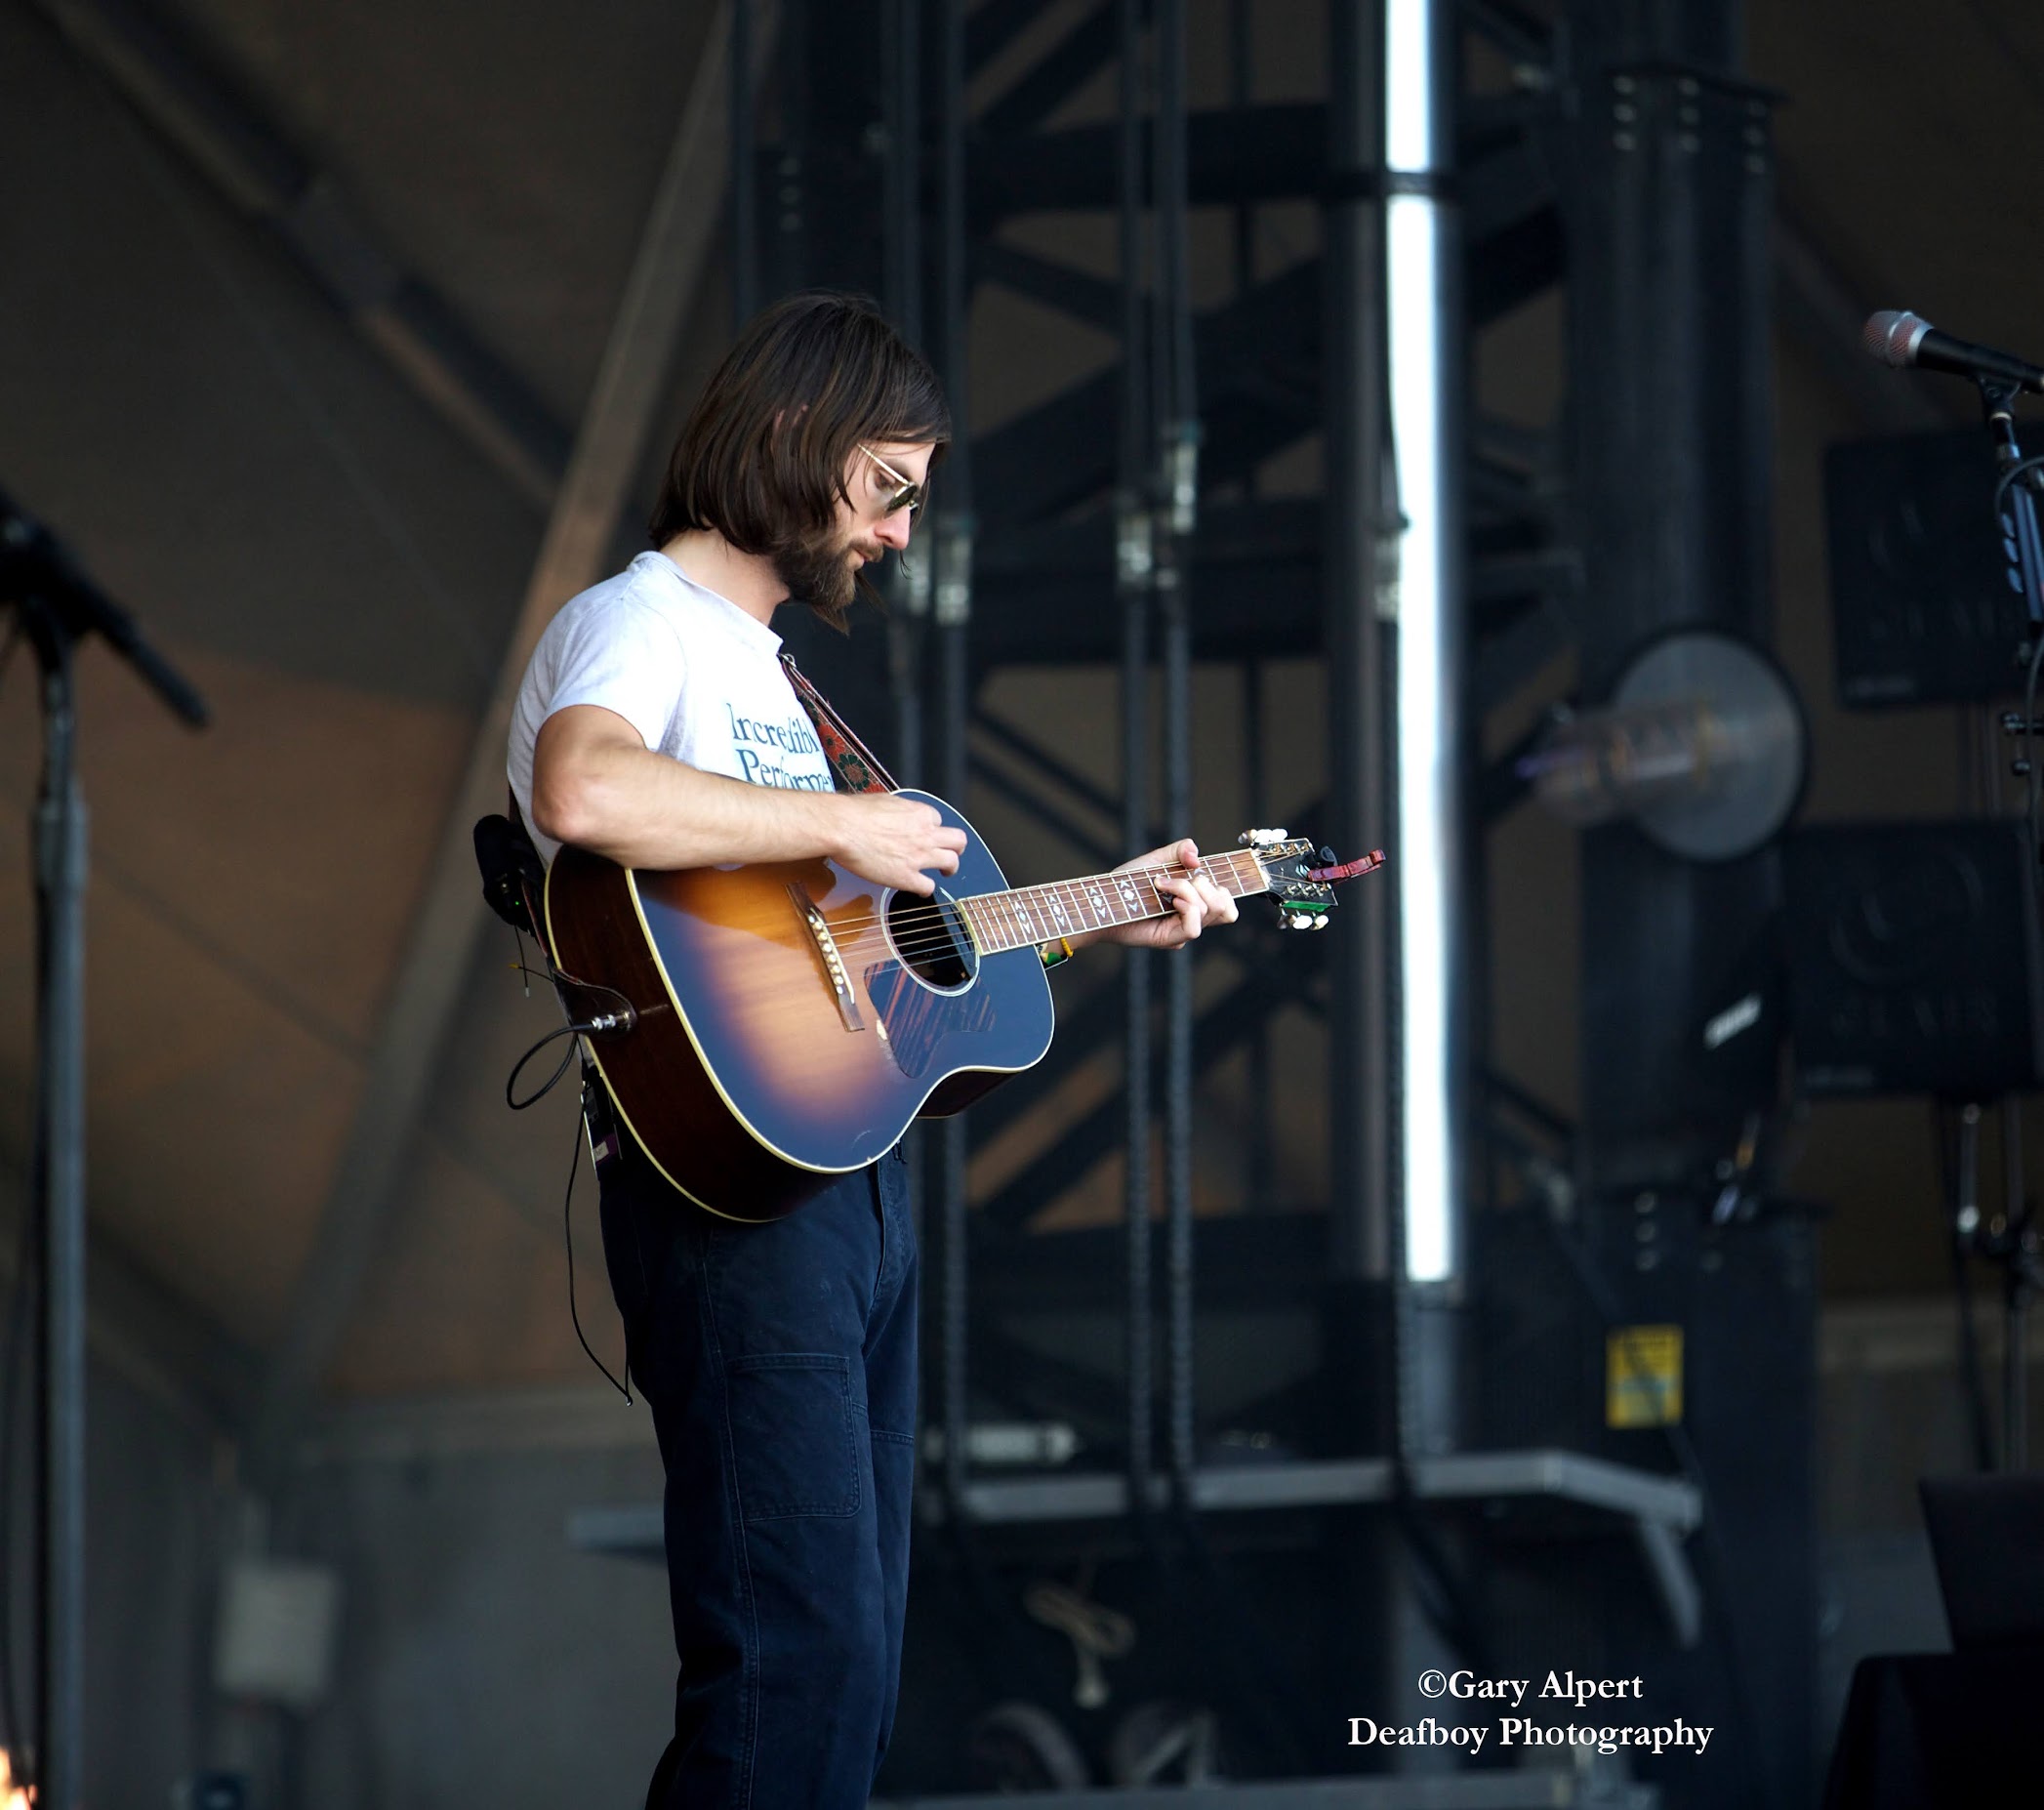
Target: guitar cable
column 567, row 1232
column 624, row 1019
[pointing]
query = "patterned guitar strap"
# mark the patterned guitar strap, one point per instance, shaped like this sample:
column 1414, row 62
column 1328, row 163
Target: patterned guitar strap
column 852, row 764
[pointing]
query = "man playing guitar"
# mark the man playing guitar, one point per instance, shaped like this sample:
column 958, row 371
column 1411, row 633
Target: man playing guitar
column 656, row 726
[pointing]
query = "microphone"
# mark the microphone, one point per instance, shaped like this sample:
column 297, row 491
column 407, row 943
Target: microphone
column 1899, row 337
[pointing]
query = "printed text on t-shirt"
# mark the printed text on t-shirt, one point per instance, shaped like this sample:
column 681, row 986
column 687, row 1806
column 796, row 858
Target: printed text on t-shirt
column 761, row 747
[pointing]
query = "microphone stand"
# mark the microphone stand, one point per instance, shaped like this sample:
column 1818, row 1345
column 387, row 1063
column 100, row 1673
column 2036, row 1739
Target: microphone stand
column 2009, row 1239
column 2020, row 538
column 56, row 607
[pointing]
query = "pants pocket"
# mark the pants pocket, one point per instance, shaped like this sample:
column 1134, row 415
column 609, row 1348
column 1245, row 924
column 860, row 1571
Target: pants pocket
column 794, row 1428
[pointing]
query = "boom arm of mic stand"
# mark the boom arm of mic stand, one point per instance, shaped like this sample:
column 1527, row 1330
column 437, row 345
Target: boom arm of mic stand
column 35, row 566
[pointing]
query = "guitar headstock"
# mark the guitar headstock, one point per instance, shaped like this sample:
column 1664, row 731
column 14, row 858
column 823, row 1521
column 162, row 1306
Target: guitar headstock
column 1300, row 878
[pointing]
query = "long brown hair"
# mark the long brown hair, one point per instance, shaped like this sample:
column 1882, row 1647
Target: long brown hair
column 762, row 459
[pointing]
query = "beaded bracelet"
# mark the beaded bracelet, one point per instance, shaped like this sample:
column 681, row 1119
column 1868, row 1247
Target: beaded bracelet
column 1050, row 957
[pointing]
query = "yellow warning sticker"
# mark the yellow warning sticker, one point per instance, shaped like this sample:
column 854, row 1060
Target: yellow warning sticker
column 1643, row 1376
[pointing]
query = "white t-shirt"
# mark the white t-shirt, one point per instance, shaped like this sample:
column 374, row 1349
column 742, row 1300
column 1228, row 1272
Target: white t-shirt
column 699, row 679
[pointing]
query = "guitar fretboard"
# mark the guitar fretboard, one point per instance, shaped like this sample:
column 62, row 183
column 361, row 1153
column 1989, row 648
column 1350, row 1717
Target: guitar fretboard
column 1004, row 921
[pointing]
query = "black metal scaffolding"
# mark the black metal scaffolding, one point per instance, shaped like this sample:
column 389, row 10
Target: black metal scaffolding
column 1120, row 522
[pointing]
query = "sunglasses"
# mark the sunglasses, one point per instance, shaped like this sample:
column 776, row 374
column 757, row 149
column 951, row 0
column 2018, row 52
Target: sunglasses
column 909, row 495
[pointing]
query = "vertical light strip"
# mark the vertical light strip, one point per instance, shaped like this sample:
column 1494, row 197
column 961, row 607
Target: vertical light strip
column 1420, row 287
column 1409, row 85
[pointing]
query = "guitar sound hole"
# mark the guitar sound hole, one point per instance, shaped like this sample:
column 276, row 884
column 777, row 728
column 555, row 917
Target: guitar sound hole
column 930, row 941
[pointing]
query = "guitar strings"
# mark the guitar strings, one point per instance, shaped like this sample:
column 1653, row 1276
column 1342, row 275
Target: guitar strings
column 921, row 930
column 917, row 938
column 918, row 918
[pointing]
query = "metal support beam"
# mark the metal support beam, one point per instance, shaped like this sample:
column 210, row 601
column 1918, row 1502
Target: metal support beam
column 1528, row 41
column 952, row 622
column 1064, row 452
column 1011, row 739
column 1256, row 360
column 1090, row 298
column 1218, row 1029
column 1133, row 575
column 1671, row 228
column 1070, row 63
column 1052, row 817
column 991, row 27
column 1274, row 153
column 1359, row 1220
column 901, row 294
column 1174, row 405
column 1091, row 1024
column 745, row 60
column 267, row 179
column 1665, row 164
column 436, row 962
column 1266, row 154
column 1049, row 590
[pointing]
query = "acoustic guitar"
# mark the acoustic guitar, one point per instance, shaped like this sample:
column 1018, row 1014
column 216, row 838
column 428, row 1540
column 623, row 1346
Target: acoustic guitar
column 773, row 1026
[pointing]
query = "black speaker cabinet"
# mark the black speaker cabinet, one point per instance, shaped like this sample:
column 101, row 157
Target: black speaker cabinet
column 1742, row 1298
column 1914, row 959
column 1922, row 606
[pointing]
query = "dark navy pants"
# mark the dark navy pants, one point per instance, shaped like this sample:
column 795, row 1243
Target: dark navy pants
column 779, row 1363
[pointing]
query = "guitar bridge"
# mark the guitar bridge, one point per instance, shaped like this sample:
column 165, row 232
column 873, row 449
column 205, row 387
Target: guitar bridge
column 827, row 952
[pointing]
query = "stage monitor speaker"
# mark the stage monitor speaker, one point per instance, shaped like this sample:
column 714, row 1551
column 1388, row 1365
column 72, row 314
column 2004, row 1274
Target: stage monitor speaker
column 1914, row 959
column 1922, row 607
column 1742, row 1298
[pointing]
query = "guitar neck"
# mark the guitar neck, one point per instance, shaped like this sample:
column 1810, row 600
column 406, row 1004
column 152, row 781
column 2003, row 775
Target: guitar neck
column 1029, row 915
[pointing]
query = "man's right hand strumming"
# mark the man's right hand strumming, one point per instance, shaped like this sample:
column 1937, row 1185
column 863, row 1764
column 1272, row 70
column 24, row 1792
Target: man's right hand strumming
column 893, row 841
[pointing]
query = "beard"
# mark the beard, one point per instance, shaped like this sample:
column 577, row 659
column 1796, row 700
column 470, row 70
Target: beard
column 818, row 570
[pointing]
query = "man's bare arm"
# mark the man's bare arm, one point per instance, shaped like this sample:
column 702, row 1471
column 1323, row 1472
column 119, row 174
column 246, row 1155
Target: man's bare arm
column 596, row 784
